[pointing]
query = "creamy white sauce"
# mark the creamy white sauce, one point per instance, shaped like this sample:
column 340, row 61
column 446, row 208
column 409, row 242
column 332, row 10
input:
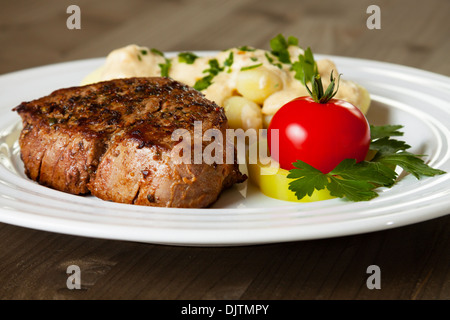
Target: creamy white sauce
column 137, row 61
column 131, row 61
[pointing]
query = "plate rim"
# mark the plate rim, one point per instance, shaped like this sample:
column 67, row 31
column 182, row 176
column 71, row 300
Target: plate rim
column 229, row 240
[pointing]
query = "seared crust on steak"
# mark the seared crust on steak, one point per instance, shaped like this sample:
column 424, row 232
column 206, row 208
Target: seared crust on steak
column 114, row 139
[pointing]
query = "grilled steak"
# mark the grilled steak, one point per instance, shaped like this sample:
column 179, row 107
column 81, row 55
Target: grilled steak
column 113, row 139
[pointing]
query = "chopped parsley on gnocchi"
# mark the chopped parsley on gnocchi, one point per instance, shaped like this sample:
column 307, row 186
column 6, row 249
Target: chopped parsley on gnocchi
column 251, row 84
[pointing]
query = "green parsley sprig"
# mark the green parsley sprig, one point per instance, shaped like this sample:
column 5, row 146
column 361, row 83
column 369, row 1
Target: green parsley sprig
column 392, row 152
column 359, row 181
column 279, row 47
column 251, row 67
column 187, row 57
column 165, row 67
column 306, row 67
column 212, row 71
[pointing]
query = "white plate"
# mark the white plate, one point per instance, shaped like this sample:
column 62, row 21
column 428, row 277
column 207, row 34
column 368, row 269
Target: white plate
column 417, row 99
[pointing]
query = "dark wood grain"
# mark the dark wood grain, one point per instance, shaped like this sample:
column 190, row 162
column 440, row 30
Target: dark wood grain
column 414, row 260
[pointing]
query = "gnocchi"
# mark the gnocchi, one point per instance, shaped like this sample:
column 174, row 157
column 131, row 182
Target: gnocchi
column 251, row 84
column 258, row 84
column 243, row 113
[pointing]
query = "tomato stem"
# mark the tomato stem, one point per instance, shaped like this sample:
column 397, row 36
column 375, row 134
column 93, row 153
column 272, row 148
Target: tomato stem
column 316, row 92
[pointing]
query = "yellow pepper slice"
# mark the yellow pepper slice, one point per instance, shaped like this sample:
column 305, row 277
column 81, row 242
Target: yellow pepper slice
column 276, row 185
column 273, row 181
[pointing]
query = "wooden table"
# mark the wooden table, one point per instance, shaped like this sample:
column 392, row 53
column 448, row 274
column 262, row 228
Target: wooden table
column 414, row 260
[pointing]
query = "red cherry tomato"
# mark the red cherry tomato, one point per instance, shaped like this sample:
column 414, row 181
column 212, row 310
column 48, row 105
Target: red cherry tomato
column 320, row 134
